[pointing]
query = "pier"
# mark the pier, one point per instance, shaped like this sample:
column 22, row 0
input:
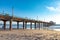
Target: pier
column 25, row 21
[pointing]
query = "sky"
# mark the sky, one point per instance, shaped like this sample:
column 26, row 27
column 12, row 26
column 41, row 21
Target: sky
column 44, row 10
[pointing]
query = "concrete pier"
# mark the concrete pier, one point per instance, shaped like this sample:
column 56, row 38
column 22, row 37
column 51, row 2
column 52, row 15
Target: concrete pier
column 24, row 21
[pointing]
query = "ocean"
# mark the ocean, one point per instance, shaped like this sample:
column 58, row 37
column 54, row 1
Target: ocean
column 57, row 28
column 15, row 26
column 54, row 27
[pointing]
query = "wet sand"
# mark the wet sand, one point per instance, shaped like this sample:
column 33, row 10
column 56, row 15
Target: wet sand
column 29, row 35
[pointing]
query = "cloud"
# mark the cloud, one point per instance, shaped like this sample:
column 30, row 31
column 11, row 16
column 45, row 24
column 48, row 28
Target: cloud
column 55, row 6
column 51, row 8
column 55, row 9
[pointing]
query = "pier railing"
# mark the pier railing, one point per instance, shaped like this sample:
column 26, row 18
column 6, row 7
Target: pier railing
column 5, row 14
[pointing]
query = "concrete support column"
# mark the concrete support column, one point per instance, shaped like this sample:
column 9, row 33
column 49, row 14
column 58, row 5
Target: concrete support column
column 4, row 25
column 35, row 25
column 10, row 24
column 42, row 25
column 17, row 24
column 39, row 25
column 25, row 25
column 46, row 25
column 31, row 25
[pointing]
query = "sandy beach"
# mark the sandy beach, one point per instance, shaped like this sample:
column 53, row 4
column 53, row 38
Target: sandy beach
column 29, row 35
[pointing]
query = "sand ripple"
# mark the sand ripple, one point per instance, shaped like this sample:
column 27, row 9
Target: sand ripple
column 26, row 35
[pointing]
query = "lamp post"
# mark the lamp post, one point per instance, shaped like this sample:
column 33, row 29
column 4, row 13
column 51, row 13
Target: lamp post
column 12, row 11
column 37, row 17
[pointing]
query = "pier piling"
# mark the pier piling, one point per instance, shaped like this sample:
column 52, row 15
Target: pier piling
column 4, row 25
column 10, row 24
column 35, row 25
column 31, row 25
column 17, row 24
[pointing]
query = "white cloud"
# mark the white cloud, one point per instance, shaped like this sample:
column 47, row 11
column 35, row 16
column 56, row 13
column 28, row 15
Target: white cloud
column 55, row 9
column 51, row 8
column 55, row 6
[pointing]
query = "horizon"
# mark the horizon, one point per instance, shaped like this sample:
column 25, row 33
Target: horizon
column 44, row 10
